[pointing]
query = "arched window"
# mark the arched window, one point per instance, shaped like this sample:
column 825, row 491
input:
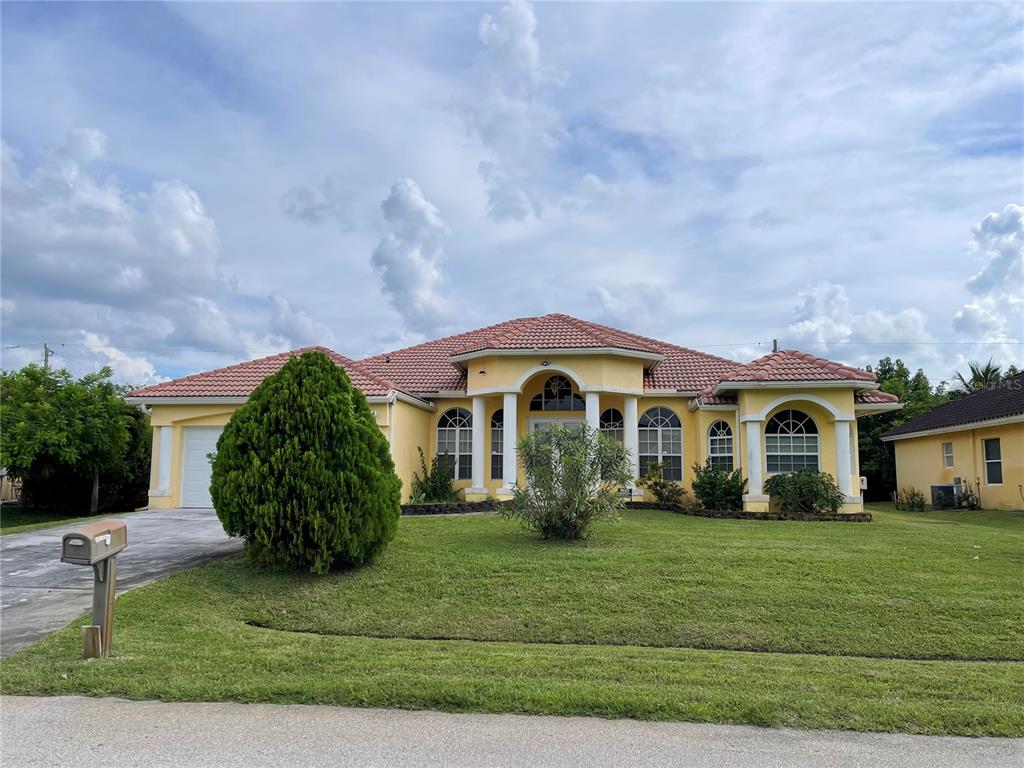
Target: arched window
column 611, row 423
column 791, row 442
column 497, row 444
column 557, row 395
column 661, row 440
column 455, row 441
column 720, row 445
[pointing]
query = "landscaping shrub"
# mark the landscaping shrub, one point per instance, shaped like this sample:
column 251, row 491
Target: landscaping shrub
column 573, row 476
column 911, row 500
column 664, row 491
column 806, row 491
column 303, row 473
column 717, row 489
column 435, row 485
column 968, row 498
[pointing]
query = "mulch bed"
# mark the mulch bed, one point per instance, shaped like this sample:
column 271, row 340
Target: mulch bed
column 451, row 508
column 852, row 517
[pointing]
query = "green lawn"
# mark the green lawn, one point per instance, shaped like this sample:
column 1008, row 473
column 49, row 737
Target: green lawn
column 912, row 623
column 14, row 519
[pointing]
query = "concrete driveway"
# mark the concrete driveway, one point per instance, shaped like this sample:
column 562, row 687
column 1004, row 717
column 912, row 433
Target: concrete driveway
column 39, row 594
column 72, row 731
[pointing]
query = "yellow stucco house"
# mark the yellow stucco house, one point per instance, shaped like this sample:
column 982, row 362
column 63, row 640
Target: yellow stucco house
column 976, row 439
column 470, row 396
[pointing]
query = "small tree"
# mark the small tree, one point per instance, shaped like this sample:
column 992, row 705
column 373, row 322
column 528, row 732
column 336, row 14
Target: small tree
column 717, row 489
column 573, row 476
column 435, row 484
column 805, row 492
column 303, row 473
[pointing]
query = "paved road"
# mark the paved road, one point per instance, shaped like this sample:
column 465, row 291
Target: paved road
column 73, row 731
column 39, row 594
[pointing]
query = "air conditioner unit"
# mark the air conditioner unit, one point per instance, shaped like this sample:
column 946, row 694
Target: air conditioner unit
column 863, row 483
column 944, row 496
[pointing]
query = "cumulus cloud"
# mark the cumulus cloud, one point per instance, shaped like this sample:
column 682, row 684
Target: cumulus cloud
column 408, row 259
column 636, row 305
column 296, row 325
column 137, row 371
column 330, row 199
column 505, row 199
column 825, row 321
column 512, row 52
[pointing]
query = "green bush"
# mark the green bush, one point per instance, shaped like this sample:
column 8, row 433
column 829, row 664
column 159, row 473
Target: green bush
column 573, row 477
column 717, row 489
column 664, row 491
column 968, row 498
column 435, row 485
column 805, row 492
column 303, row 473
column 911, row 500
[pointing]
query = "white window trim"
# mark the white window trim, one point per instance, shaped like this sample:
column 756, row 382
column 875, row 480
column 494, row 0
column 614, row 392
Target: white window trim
column 660, row 456
column 947, row 458
column 987, row 461
column 731, row 453
column 816, row 435
column 458, row 435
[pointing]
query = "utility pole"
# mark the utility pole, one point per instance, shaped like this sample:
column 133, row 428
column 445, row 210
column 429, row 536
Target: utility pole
column 46, row 356
column 775, row 345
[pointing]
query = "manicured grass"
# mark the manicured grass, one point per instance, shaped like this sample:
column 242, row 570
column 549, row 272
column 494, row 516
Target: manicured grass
column 14, row 519
column 910, row 623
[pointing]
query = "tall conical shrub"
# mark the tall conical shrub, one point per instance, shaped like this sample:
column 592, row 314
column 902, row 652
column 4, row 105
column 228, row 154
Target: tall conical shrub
column 303, row 473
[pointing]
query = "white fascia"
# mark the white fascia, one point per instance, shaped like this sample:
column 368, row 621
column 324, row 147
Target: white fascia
column 868, row 409
column 652, row 357
column 959, row 428
column 182, row 400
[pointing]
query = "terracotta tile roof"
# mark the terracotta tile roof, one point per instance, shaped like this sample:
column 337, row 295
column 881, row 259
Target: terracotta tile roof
column 999, row 402
column 874, row 397
column 241, row 379
column 425, row 368
column 793, row 365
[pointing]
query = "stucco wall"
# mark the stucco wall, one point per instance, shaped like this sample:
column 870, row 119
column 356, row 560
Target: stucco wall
column 919, row 463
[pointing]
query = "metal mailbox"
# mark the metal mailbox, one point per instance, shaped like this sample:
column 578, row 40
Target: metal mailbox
column 94, row 542
column 97, row 544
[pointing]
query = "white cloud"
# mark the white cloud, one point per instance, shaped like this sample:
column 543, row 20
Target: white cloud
column 999, row 242
column 639, row 306
column 137, row 371
column 512, row 55
column 85, row 144
column 331, row 199
column 408, row 259
column 296, row 325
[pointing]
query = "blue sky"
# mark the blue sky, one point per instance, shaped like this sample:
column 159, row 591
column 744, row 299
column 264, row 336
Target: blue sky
column 192, row 184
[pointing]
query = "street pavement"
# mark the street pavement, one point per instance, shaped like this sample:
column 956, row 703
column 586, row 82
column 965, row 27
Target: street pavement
column 75, row 731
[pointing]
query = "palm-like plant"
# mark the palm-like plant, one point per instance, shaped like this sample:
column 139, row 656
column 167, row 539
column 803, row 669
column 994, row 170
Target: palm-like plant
column 982, row 376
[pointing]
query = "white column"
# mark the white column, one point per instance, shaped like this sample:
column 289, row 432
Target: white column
column 593, row 410
column 480, row 426
column 754, row 475
column 163, row 481
column 844, row 462
column 631, row 435
column 510, row 461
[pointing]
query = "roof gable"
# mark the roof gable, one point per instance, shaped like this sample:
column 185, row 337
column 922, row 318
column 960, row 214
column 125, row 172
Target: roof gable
column 241, row 379
column 1003, row 401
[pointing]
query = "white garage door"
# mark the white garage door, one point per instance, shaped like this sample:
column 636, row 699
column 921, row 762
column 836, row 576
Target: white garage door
column 195, row 472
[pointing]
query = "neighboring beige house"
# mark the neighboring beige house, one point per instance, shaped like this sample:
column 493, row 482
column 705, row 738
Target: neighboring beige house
column 470, row 397
column 976, row 439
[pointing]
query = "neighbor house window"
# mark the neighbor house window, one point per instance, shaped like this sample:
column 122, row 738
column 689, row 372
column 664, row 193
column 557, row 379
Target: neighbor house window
column 497, row 444
column 720, row 446
column 455, row 441
column 611, row 423
column 947, row 455
column 557, row 395
column 993, row 461
column 791, row 442
column 661, row 440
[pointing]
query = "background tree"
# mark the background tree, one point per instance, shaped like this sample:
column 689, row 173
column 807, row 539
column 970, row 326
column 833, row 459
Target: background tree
column 877, row 459
column 62, row 437
column 303, row 473
column 980, row 376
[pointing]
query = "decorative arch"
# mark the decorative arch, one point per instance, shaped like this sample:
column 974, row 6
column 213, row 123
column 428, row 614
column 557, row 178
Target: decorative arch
column 720, row 445
column 796, row 397
column 550, row 370
column 557, row 396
